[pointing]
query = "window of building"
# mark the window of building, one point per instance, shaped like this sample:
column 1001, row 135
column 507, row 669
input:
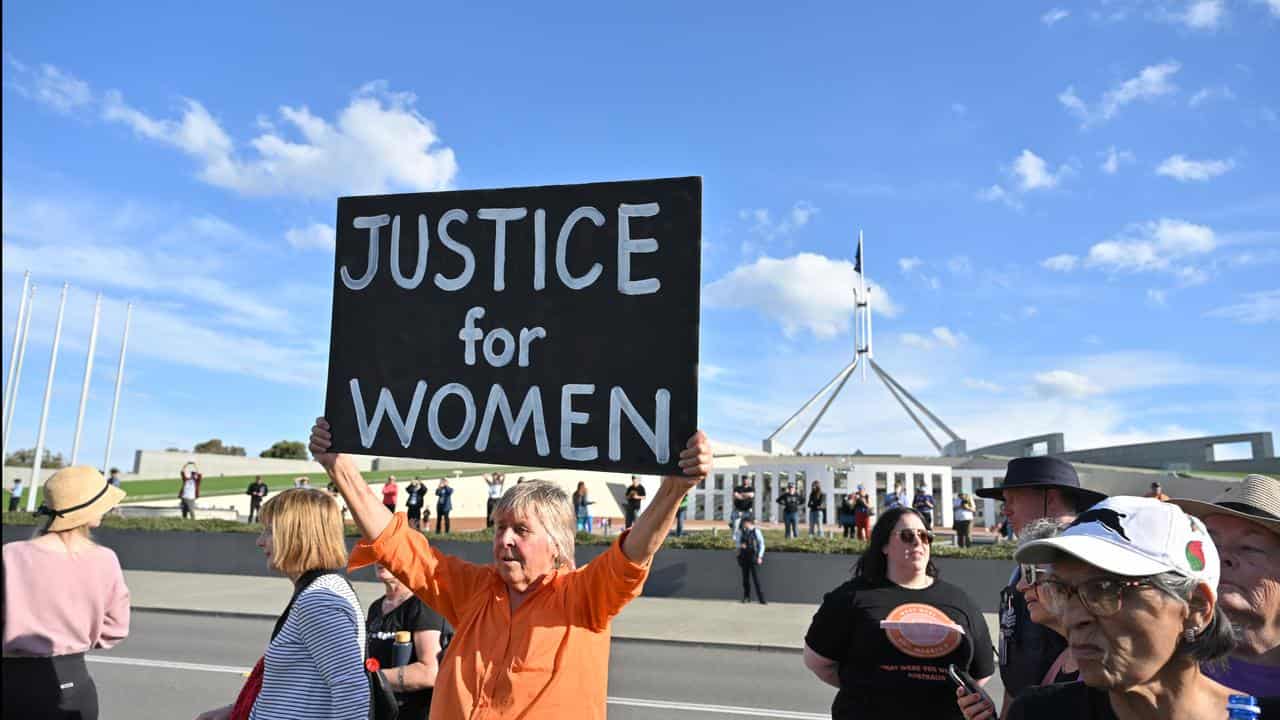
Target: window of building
column 881, row 479
column 900, row 479
column 700, row 507
column 719, row 481
column 717, row 507
column 841, row 479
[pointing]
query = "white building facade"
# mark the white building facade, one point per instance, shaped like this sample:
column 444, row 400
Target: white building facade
column 839, row 476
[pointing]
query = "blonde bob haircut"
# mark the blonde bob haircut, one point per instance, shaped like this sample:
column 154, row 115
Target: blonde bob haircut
column 306, row 531
column 549, row 505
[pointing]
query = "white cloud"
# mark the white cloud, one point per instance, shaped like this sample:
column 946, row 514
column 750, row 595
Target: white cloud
column 1204, row 95
column 1157, row 298
column 1054, row 16
column 316, row 236
column 803, row 292
column 1034, row 174
column 948, row 338
column 1061, row 263
column 1183, row 169
column 1151, row 82
column 907, row 264
column 378, row 143
column 997, row 193
column 1113, row 158
column 1274, row 7
column 1154, row 245
column 1030, row 311
column 1029, row 172
column 986, row 385
column 709, row 372
column 1257, row 308
column 1063, row 383
column 939, row 336
column 50, row 86
column 1203, row 14
column 764, row 225
column 913, row 340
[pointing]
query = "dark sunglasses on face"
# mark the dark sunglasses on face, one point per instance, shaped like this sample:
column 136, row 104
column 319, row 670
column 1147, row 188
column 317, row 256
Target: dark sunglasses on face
column 1032, row 574
column 909, row 536
column 1101, row 597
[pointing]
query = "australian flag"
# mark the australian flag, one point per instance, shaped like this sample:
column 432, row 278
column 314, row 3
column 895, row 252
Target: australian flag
column 857, row 259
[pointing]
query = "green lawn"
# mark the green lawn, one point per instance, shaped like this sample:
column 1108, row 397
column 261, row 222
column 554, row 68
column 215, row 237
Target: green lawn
column 165, row 489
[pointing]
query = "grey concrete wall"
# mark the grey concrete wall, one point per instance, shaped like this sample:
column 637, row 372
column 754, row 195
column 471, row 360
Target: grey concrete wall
column 696, row 574
column 1054, row 442
column 1194, row 453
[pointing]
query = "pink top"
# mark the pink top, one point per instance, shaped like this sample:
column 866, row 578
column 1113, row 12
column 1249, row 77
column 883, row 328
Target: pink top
column 57, row 603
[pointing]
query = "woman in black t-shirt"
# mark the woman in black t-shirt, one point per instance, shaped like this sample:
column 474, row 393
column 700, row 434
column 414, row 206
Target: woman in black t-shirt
column 400, row 610
column 886, row 637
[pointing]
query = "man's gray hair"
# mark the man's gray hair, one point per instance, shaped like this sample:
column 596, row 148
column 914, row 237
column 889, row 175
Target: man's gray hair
column 550, row 505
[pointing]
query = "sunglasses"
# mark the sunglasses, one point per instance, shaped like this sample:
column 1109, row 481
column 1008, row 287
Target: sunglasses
column 1033, row 574
column 909, row 536
column 1102, row 597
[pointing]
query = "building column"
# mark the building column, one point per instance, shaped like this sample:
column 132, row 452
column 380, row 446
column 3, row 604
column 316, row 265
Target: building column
column 947, row 500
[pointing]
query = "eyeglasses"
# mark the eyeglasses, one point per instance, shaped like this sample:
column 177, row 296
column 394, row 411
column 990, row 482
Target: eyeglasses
column 1032, row 574
column 1101, row 597
column 909, row 536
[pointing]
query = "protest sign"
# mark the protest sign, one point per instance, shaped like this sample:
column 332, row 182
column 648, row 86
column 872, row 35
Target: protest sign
column 550, row 326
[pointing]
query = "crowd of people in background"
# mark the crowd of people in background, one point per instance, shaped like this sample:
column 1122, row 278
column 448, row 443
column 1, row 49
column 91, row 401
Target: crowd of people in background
column 1117, row 607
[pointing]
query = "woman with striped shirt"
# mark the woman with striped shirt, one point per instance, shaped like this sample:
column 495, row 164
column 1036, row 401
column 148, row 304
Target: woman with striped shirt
column 314, row 664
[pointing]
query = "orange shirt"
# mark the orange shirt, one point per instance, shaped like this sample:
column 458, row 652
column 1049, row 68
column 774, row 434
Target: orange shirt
column 547, row 661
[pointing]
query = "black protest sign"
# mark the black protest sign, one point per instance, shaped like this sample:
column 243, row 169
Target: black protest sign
column 547, row 326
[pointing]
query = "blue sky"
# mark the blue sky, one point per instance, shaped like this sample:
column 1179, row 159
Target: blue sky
column 1072, row 212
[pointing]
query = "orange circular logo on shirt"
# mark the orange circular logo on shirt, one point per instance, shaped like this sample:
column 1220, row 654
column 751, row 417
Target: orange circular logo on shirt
column 922, row 631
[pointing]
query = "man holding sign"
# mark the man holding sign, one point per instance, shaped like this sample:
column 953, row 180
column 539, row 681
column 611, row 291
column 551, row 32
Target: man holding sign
column 533, row 630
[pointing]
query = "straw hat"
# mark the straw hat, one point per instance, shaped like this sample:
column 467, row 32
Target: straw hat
column 1256, row 498
column 76, row 495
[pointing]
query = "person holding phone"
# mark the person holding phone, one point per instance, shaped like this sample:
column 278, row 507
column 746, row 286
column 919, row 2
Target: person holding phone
column 887, row 637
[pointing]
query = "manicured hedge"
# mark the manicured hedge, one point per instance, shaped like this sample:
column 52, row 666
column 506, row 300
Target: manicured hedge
column 697, row 540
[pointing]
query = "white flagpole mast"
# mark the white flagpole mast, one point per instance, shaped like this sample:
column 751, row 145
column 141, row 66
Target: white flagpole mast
column 15, row 363
column 88, row 372
column 48, row 395
column 17, row 336
column 864, row 302
column 115, row 403
column 870, row 353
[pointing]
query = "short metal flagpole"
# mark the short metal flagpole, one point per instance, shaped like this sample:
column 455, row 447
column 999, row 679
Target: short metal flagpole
column 115, row 403
column 17, row 375
column 88, row 372
column 48, row 395
column 17, row 335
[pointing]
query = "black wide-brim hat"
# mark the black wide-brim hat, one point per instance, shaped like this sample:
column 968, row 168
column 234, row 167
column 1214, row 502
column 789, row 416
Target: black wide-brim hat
column 1041, row 472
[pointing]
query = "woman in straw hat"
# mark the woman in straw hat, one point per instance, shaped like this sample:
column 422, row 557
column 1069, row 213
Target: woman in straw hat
column 64, row 595
column 1245, row 524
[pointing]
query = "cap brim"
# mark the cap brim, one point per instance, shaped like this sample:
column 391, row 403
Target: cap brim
column 1202, row 510
column 1103, row 554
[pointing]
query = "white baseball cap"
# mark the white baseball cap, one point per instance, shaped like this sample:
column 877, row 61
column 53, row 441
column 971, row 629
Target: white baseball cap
column 1134, row 537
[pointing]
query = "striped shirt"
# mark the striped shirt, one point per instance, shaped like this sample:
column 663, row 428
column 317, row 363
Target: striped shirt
column 315, row 667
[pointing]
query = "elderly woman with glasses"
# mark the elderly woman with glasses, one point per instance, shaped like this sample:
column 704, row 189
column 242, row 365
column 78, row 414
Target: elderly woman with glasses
column 885, row 639
column 1134, row 583
column 977, row 706
column 533, row 629
column 1244, row 522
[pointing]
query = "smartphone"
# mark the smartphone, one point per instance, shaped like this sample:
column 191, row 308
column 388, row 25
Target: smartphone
column 962, row 679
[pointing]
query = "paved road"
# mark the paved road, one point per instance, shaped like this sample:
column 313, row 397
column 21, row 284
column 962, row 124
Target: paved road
column 174, row 666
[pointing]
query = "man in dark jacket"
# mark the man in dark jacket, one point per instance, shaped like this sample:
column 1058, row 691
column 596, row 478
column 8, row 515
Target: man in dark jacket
column 790, row 501
column 750, row 542
column 257, row 491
